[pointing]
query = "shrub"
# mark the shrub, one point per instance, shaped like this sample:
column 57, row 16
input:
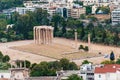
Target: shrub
column 81, row 47
column 86, row 48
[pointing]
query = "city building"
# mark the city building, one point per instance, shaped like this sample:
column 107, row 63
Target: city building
column 107, row 72
column 63, row 75
column 5, row 74
column 115, row 16
column 51, row 10
column 89, row 2
column 28, row 4
column 62, row 12
column 23, row 10
column 94, row 8
column 76, row 12
column 8, row 12
column 87, row 71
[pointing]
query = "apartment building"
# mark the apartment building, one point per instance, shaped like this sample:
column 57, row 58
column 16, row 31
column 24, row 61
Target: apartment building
column 76, row 12
column 107, row 72
column 115, row 16
column 89, row 2
column 23, row 10
column 51, row 11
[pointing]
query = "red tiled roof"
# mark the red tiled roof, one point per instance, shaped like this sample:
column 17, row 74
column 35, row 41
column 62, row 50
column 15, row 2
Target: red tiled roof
column 107, row 68
column 111, row 65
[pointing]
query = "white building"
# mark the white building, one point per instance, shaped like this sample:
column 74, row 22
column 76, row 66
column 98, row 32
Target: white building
column 107, row 72
column 5, row 74
column 23, row 10
column 87, row 71
column 115, row 16
column 94, row 8
column 28, row 4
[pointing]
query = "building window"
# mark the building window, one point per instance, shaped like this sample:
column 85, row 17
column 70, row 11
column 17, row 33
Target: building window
column 99, row 76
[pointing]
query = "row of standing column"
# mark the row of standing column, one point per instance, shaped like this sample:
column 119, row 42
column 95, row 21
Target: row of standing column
column 43, row 36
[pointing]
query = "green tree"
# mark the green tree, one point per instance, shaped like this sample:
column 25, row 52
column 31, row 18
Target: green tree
column 118, row 61
column 90, row 26
column 57, row 22
column 54, row 65
column 82, row 34
column 64, row 27
column 42, row 69
column 81, row 47
column 15, row 16
column 86, row 48
column 116, row 38
column 1, row 56
column 78, row 2
column 105, row 9
column 93, row 35
column 4, row 66
column 6, row 58
column 82, row 16
column 33, row 65
column 27, row 63
column 104, row 36
column 64, row 63
column 107, row 62
column 72, row 66
column 112, row 57
column 92, row 18
column 74, row 77
column 3, row 24
column 41, row 16
column 88, row 10
column 86, row 62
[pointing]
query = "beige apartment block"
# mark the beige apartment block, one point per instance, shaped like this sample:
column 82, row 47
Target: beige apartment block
column 76, row 12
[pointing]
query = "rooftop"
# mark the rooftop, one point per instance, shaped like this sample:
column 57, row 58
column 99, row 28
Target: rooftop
column 111, row 68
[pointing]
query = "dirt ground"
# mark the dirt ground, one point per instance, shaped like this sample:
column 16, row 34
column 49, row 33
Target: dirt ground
column 68, row 45
column 56, row 51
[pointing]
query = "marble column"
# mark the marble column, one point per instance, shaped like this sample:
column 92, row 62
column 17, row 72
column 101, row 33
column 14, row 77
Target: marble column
column 89, row 42
column 43, row 34
column 49, row 36
column 34, row 34
column 52, row 35
column 39, row 40
column 75, row 39
column 46, row 36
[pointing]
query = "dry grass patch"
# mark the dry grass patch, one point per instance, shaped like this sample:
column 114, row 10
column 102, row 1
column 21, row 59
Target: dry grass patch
column 56, row 51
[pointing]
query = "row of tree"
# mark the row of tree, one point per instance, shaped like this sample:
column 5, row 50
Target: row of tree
column 50, row 68
column 23, row 27
column 6, row 4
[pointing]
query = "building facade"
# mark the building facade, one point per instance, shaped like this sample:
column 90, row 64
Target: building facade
column 107, row 72
column 76, row 12
column 115, row 16
column 23, row 10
